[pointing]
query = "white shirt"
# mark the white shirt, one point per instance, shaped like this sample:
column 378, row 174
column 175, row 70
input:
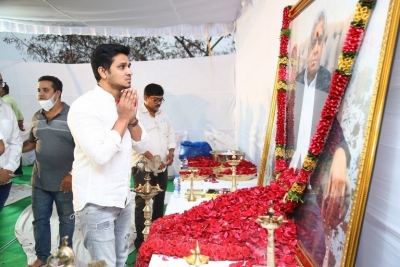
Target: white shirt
column 101, row 168
column 304, row 134
column 9, row 131
column 161, row 134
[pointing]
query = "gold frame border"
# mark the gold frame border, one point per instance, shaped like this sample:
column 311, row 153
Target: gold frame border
column 299, row 7
column 268, row 136
column 367, row 157
column 373, row 126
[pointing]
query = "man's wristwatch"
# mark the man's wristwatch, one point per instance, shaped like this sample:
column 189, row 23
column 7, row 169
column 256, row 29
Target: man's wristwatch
column 131, row 125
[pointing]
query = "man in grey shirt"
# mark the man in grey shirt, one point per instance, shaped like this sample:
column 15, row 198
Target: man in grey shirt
column 51, row 177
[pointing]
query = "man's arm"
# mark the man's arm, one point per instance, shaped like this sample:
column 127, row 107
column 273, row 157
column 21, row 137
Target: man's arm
column 334, row 206
column 28, row 146
column 2, row 147
column 86, row 125
column 14, row 147
column 337, row 192
column 66, row 183
column 135, row 130
column 148, row 155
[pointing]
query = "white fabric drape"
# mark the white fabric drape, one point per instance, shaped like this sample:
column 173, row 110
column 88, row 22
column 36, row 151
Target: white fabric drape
column 199, row 18
column 198, row 91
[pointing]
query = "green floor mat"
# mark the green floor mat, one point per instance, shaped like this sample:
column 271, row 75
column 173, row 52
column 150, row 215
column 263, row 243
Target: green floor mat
column 11, row 253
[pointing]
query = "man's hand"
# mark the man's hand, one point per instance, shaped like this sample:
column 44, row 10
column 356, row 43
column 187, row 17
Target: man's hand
column 5, row 176
column 333, row 205
column 2, row 147
column 170, row 159
column 21, row 125
column 66, row 184
column 127, row 105
column 162, row 166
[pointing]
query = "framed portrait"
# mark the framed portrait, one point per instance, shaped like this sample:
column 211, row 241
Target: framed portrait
column 327, row 234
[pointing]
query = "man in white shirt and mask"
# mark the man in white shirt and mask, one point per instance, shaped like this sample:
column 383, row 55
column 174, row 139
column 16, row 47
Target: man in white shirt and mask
column 54, row 145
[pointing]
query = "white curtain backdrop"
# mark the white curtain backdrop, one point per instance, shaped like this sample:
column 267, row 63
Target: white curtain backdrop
column 198, row 91
column 257, row 48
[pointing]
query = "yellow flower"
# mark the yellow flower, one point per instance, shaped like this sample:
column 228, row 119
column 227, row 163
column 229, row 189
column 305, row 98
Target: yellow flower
column 289, row 153
column 309, row 163
column 283, row 60
column 361, row 14
column 298, row 188
column 291, row 86
column 345, row 63
column 280, row 85
column 279, row 152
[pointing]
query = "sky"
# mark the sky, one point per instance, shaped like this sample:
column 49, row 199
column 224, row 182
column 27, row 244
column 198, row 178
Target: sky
column 8, row 51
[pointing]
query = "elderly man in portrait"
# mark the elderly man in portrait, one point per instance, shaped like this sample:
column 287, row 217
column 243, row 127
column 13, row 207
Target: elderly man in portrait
column 328, row 191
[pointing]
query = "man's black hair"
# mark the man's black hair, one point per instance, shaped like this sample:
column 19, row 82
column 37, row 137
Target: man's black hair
column 103, row 56
column 153, row 89
column 6, row 89
column 57, row 84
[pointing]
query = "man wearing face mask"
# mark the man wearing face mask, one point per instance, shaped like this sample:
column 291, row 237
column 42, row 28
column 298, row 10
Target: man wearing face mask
column 54, row 146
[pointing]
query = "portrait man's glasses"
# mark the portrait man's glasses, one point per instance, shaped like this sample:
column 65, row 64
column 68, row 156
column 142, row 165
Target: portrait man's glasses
column 2, row 83
column 316, row 40
column 157, row 99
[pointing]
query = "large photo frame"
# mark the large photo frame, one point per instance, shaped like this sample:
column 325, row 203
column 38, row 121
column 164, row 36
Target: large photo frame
column 358, row 122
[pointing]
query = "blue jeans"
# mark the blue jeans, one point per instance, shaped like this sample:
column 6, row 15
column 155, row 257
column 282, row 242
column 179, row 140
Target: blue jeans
column 42, row 207
column 4, row 192
column 106, row 232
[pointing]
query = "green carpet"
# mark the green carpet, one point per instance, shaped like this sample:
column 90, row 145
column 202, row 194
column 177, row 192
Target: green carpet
column 11, row 253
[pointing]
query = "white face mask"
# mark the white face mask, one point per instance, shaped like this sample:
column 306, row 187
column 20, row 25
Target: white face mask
column 48, row 104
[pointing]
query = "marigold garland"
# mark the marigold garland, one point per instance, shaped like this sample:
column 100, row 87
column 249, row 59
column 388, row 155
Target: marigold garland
column 340, row 78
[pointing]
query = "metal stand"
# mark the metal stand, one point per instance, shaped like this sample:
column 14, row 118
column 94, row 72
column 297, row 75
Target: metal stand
column 65, row 254
column 196, row 259
column 147, row 192
column 191, row 197
column 234, row 162
column 270, row 222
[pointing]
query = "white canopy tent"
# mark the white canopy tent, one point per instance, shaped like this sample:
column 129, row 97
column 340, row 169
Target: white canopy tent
column 257, row 25
column 200, row 18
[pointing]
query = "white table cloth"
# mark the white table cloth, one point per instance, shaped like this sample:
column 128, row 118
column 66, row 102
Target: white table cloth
column 165, row 261
column 185, row 184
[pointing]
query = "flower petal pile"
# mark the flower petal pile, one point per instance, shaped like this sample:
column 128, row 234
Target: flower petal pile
column 226, row 230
